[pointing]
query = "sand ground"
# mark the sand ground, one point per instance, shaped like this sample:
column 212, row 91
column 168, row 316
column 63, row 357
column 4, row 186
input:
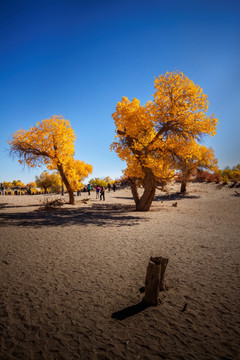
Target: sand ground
column 64, row 273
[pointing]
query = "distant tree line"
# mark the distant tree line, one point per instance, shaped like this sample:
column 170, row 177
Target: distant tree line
column 225, row 176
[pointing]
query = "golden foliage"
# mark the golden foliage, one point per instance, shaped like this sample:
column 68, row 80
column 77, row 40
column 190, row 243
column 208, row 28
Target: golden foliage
column 51, row 143
column 48, row 142
column 154, row 135
column 194, row 156
column 77, row 171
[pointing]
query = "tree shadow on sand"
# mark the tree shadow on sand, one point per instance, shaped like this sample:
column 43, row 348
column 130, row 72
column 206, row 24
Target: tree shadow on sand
column 165, row 197
column 124, row 197
column 175, row 196
column 3, row 205
column 11, row 206
column 98, row 215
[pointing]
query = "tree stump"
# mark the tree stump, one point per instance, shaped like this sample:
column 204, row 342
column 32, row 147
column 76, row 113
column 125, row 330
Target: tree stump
column 154, row 282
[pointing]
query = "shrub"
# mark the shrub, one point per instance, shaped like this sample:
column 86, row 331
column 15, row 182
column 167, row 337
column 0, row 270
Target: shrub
column 206, row 176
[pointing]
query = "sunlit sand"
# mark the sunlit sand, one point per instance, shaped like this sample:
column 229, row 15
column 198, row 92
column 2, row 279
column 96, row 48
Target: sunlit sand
column 65, row 272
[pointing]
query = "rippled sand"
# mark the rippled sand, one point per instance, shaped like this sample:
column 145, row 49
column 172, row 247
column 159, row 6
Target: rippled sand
column 64, row 273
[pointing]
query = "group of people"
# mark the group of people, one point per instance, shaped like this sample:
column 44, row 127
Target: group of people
column 114, row 187
column 100, row 190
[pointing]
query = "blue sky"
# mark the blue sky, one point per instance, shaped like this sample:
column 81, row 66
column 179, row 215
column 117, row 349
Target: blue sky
column 79, row 58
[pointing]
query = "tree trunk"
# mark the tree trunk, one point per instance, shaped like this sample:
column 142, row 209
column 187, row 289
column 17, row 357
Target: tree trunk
column 134, row 190
column 154, row 282
column 183, row 186
column 66, row 183
column 144, row 202
column 185, row 176
column 146, row 199
column 71, row 197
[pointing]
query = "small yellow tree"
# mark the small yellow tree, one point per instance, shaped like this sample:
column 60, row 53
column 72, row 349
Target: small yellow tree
column 31, row 184
column 51, row 143
column 17, row 183
column 7, row 184
column 98, row 182
column 47, row 181
column 192, row 157
column 150, row 137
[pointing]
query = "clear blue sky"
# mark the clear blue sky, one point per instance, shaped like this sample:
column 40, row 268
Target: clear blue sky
column 78, row 58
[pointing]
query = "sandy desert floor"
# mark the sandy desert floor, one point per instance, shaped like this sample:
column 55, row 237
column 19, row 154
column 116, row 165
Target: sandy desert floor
column 65, row 273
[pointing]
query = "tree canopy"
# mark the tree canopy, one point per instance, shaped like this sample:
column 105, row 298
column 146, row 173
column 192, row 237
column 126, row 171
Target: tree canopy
column 51, row 143
column 152, row 138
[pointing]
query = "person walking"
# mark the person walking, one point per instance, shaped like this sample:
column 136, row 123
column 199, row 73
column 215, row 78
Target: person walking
column 97, row 191
column 89, row 189
column 102, row 193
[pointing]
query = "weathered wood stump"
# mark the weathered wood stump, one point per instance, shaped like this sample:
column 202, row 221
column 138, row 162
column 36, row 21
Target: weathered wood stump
column 154, row 282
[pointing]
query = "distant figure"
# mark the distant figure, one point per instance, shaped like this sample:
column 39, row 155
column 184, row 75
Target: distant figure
column 97, row 191
column 89, row 189
column 109, row 187
column 102, row 193
column 2, row 189
column 79, row 193
column 114, row 187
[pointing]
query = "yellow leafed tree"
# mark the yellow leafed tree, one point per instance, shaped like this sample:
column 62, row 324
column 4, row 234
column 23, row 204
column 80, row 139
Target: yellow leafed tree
column 150, row 137
column 192, row 157
column 51, row 143
column 48, row 181
column 17, row 183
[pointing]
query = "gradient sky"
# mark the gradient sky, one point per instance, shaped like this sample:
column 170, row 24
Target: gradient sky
column 79, row 58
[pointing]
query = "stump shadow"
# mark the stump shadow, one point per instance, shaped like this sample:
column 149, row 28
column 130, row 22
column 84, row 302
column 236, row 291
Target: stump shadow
column 130, row 311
